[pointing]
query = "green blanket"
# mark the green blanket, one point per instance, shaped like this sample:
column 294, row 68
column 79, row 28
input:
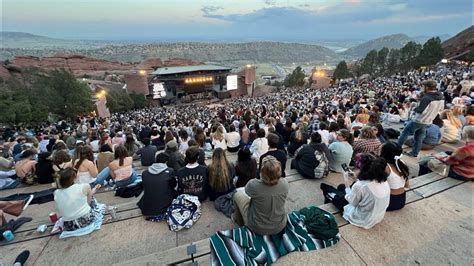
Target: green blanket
column 242, row 247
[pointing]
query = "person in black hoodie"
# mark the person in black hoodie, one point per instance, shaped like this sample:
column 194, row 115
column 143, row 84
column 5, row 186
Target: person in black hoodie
column 44, row 168
column 273, row 150
column 192, row 179
column 311, row 160
column 158, row 183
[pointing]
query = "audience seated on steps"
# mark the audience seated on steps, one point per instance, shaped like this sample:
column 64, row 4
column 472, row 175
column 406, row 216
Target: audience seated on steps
column 312, row 160
column 341, row 150
column 363, row 201
column 105, row 157
column 147, row 153
column 273, row 150
column 261, row 205
column 245, row 168
column 79, row 211
column 452, row 127
column 159, row 184
column 87, row 172
column 460, row 163
column 398, row 177
column 121, row 169
column 193, row 178
column 221, row 175
column 176, row 160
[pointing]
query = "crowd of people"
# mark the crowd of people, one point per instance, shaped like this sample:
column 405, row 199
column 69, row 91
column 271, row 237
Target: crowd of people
column 341, row 129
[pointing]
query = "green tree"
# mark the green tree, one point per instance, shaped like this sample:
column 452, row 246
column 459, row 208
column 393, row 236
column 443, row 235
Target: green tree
column 119, row 101
column 296, row 78
column 382, row 58
column 393, row 61
column 341, row 71
column 409, row 55
column 139, row 100
column 369, row 64
column 431, row 53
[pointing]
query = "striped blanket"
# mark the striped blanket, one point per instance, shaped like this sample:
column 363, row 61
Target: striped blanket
column 242, row 247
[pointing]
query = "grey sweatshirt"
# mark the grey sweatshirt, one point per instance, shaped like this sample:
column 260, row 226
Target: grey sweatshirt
column 430, row 106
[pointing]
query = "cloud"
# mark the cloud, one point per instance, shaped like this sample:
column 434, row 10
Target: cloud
column 269, row 2
column 207, row 10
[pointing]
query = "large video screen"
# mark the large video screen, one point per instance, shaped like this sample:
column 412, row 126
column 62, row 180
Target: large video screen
column 158, row 90
column 231, row 82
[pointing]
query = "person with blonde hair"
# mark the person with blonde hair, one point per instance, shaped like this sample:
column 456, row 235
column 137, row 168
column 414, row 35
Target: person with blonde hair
column 220, row 175
column 261, row 207
column 218, row 138
column 451, row 127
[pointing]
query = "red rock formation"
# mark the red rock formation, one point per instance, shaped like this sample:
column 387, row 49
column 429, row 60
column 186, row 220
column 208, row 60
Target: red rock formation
column 4, row 73
column 80, row 64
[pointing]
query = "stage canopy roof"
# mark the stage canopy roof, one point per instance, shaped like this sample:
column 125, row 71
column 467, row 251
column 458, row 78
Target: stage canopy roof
column 185, row 69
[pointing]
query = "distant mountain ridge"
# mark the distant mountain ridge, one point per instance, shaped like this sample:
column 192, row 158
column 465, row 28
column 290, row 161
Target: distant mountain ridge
column 40, row 46
column 9, row 39
column 390, row 41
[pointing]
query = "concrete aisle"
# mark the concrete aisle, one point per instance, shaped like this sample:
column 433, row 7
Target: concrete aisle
column 434, row 231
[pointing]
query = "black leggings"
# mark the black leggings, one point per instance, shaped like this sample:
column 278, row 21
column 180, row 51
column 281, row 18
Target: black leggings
column 397, row 202
column 338, row 199
column 39, row 197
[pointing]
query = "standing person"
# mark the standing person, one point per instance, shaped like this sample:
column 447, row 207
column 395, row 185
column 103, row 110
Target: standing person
column 363, row 204
column 430, row 105
column 261, row 207
column 221, row 175
column 193, row 178
column 158, row 187
column 273, row 150
column 246, row 167
column 147, row 153
column 398, row 177
column 341, row 151
column 121, row 169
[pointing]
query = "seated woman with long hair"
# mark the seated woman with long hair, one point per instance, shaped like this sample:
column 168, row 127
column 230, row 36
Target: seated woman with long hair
column 87, row 172
column 398, row 177
column 121, row 169
column 246, row 167
column 365, row 202
column 81, row 214
column 262, row 206
column 452, row 127
column 221, row 175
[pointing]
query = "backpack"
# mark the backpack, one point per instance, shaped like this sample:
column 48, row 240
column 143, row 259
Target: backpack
column 392, row 133
column 323, row 168
column 183, row 212
column 320, row 223
column 129, row 191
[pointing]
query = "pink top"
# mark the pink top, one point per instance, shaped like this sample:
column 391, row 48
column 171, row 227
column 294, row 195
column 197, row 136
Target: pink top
column 123, row 173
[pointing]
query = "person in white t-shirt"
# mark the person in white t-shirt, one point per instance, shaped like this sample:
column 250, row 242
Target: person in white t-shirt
column 363, row 204
column 233, row 139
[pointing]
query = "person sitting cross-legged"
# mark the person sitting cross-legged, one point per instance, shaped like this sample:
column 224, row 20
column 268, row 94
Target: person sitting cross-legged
column 261, row 207
column 158, row 183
